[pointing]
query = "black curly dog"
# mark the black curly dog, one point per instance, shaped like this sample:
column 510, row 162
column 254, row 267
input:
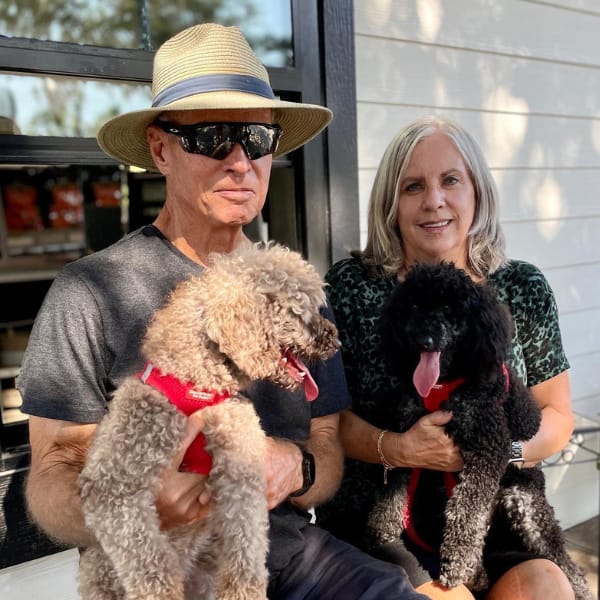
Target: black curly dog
column 446, row 339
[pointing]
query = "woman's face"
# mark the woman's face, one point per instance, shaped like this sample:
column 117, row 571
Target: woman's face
column 436, row 204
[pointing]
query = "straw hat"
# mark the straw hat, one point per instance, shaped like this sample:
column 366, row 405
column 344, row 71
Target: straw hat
column 205, row 67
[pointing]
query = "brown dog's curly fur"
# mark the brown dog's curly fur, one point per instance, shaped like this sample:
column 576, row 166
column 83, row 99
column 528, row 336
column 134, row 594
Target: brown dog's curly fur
column 219, row 330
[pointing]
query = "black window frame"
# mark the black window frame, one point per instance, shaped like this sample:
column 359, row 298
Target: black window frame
column 323, row 73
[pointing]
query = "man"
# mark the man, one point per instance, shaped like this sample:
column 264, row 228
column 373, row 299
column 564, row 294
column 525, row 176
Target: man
column 212, row 131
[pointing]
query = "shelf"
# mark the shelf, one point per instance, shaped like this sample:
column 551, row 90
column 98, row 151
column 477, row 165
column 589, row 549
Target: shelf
column 9, row 372
column 44, row 240
column 34, row 268
column 10, row 407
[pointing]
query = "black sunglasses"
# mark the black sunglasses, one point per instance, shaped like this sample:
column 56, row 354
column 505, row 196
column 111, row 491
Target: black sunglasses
column 216, row 140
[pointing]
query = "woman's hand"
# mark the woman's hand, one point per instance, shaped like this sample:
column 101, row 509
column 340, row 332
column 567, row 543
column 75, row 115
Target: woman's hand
column 424, row 445
column 183, row 498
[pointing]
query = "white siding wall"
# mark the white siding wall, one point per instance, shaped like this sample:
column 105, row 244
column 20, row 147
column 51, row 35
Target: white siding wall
column 523, row 76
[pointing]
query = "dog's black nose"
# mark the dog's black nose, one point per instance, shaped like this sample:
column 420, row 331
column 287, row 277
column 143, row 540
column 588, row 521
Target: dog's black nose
column 427, row 342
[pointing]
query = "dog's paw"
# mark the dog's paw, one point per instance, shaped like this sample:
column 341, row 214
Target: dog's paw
column 452, row 575
column 450, row 581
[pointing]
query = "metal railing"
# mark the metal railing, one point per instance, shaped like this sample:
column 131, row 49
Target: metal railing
column 571, row 455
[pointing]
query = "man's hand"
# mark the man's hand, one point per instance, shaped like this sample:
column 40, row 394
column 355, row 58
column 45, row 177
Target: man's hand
column 283, row 465
column 183, row 498
column 283, row 472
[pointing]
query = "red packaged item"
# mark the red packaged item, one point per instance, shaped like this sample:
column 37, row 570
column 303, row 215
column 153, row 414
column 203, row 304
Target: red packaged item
column 107, row 193
column 67, row 206
column 21, row 209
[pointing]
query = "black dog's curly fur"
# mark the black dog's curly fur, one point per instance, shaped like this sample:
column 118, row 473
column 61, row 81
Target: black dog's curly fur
column 438, row 308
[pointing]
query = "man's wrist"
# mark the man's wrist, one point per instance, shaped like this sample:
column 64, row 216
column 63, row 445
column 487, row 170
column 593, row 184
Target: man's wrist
column 308, row 472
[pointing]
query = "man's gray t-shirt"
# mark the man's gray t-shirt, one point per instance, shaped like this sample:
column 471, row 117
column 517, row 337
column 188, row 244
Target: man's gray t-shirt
column 86, row 340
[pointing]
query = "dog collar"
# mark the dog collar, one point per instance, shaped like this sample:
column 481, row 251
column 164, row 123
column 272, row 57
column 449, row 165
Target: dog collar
column 440, row 392
column 187, row 399
column 185, row 396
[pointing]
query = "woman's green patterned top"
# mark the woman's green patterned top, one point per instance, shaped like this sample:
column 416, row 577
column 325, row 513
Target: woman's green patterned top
column 357, row 298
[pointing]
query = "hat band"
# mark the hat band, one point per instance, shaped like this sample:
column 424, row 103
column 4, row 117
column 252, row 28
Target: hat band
column 213, row 83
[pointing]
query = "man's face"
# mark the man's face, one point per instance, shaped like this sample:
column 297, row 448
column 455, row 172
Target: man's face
column 223, row 193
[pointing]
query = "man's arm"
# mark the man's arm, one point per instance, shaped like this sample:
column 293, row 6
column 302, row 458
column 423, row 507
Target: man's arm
column 284, row 465
column 58, row 451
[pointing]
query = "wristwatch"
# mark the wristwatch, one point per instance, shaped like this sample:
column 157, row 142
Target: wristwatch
column 516, row 455
column 308, row 472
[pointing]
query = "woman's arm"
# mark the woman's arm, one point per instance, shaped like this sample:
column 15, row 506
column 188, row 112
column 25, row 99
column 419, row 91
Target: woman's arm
column 535, row 313
column 554, row 398
column 424, row 445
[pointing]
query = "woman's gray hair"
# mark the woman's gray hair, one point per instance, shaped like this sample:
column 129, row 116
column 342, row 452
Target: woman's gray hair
column 384, row 251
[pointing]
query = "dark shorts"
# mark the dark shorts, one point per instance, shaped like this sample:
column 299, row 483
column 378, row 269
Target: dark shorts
column 422, row 566
column 329, row 569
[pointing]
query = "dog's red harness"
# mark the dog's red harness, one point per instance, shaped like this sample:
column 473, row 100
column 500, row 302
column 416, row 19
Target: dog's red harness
column 439, row 393
column 187, row 399
column 432, row 402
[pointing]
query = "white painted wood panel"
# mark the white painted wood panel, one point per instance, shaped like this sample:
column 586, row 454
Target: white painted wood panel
column 548, row 193
column 512, row 27
column 584, row 6
column 576, row 287
column 587, row 407
column 554, row 243
column 417, row 74
column 585, row 384
column 508, row 141
column 581, row 333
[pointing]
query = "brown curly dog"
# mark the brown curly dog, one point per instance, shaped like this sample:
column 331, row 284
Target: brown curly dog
column 251, row 315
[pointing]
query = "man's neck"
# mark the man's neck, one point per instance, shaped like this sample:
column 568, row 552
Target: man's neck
column 198, row 242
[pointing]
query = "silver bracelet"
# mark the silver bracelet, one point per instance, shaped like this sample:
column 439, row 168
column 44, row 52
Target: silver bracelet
column 386, row 465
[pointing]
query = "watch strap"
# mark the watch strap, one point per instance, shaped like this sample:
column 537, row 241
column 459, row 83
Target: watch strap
column 308, row 472
column 516, row 454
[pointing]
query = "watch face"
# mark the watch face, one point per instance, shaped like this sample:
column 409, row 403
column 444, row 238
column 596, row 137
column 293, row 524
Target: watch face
column 516, row 454
column 308, row 473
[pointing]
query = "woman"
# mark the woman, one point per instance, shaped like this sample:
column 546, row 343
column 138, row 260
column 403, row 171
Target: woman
column 434, row 199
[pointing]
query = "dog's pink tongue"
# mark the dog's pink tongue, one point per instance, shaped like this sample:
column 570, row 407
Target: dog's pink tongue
column 299, row 371
column 427, row 372
column 311, row 389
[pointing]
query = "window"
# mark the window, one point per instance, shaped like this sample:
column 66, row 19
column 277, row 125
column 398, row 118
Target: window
column 146, row 24
column 67, row 65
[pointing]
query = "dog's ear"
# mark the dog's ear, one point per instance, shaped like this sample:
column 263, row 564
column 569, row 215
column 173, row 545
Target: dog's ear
column 491, row 327
column 235, row 320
